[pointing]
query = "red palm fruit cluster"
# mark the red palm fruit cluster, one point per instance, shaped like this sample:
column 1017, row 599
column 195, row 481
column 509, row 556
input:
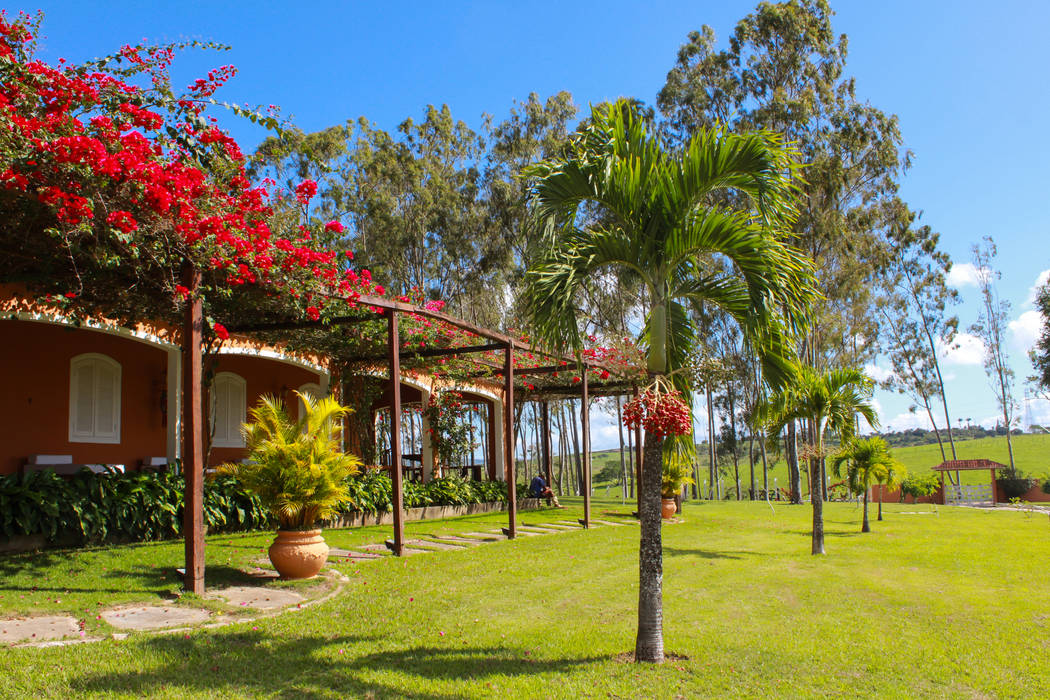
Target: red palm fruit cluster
column 659, row 414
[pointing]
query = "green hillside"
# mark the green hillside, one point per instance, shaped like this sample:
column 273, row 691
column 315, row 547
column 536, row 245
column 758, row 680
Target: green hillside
column 1031, row 454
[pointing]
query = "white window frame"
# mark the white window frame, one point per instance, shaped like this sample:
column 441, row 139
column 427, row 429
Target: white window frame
column 236, row 415
column 94, row 359
column 312, row 388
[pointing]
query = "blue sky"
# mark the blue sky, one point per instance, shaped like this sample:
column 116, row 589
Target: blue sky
column 967, row 79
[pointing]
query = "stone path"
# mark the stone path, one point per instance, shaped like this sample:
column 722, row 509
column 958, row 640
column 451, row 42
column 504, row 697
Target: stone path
column 247, row 602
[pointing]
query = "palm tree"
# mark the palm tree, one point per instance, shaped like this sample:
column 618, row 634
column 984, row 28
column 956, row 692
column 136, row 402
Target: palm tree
column 829, row 401
column 866, row 460
column 656, row 223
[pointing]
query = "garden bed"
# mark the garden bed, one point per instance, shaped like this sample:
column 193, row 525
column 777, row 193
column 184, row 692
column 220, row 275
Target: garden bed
column 361, row 519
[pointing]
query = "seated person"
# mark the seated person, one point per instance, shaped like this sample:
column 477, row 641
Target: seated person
column 539, row 489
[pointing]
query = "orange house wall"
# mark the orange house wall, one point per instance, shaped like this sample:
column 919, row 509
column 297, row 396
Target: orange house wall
column 262, row 377
column 34, row 395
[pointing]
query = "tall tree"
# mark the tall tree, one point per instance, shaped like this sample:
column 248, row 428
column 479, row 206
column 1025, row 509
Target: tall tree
column 991, row 326
column 829, row 401
column 663, row 229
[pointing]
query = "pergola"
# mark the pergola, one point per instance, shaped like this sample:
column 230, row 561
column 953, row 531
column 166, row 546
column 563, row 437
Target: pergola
column 478, row 354
column 962, row 465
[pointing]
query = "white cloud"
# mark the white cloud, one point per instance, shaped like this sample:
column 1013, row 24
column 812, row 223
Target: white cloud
column 877, row 372
column 965, row 275
column 1025, row 330
column 968, row 349
column 909, row 420
column 1033, row 291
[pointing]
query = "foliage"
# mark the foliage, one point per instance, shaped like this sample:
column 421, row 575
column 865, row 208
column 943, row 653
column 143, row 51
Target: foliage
column 371, row 491
column 864, row 461
column 677, row 472
column 1014, row 483
column 112, row 507
column 450, row 433
column 919, row 485
column 296, row 467
column 659, row 413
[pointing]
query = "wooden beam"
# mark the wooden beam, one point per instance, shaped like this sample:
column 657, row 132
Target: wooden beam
column 397, row 546
column 193, row 432
column 511, row 531
column 585, row 427
column 435, row 352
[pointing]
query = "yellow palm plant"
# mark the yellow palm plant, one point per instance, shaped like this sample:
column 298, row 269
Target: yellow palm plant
column 296, row 468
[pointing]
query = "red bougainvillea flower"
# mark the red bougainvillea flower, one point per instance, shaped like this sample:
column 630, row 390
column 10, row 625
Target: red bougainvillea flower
column 313, row 312
column 305, row 190
column 334, row 226
column 220, row 331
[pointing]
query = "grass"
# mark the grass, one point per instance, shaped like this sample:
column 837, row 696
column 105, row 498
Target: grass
column 945, row 603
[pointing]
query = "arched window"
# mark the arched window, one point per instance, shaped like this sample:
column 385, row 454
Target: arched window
column 94, row 399
column 228, row 409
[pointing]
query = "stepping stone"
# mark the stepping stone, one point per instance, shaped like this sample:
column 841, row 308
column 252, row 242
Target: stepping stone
column 491, row 536
column 520, row 532
column 153, row 617
column 559, row 528
column 534, row 529
column 606, row 522
column 345, row 554
column 34, row 628
column 258, row 597
column 571, row 523
column 459, row 540
column 374, row 547
column 432, row 545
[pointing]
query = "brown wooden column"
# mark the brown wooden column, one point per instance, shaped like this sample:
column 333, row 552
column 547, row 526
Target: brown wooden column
column 396, row 545
column 193, row 432
column 511, row 531
column 995, row 499
column 944, row 494
column 585, row 427
column 545, row 441
column 638, row 451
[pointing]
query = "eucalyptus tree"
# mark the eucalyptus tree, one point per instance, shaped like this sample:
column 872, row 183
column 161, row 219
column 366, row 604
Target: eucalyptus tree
column 661, row 228
column 864, row 461
column 991, row 326
column 830, row 402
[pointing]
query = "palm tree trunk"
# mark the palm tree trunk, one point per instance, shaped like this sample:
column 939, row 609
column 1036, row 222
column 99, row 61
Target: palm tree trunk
column 880, row 502
column 866, row 526
column 794, row 473
column 818, row 505
column 649, row 645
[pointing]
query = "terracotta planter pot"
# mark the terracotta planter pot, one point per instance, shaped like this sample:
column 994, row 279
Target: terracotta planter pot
column 668, row 508
column 298, row 553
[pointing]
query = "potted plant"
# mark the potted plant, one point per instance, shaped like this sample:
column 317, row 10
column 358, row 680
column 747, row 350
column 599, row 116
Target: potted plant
column 676, row 474
column 299, row 473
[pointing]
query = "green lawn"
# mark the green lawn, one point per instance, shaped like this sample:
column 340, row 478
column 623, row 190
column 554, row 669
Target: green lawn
column 946, row 602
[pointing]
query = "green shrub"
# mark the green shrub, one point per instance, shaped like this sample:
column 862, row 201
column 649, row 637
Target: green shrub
column 919, row 485
column 1046, row 485
column 371, row 491
column 111, row 507
column 1013, row 483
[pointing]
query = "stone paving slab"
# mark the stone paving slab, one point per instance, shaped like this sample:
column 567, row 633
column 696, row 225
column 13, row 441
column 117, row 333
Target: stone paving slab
column 374, row 548
column 153, row 617
column 544, row 530
column 432, row 545
column 520, row 532
column 570, row 523
column 336, row 553
column 559, row 528
column 38, row 628
column 456, row 539
column 491, row 536
column 258, row 597
column 606, row 522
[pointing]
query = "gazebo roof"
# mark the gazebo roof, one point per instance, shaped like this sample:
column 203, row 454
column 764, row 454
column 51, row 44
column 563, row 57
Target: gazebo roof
column 962, row 465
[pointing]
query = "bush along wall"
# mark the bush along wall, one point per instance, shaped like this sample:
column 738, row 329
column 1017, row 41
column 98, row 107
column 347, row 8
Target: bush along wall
column 372, row 492
column 102, row 508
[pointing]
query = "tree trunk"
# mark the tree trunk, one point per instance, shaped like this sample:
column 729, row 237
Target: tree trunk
column 866, row 526
column 880, row 502
column 630, row 463
column 577, row 457
column 751, row 462
column 818, row 505
column 794, row 473
column 713, row 468
column 649, row 645
column 623, row 457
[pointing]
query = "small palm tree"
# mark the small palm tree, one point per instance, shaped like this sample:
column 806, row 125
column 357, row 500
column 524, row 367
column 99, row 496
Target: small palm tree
column 296, row 467
column 661, row 224
column 830, row 401
column 863, row 461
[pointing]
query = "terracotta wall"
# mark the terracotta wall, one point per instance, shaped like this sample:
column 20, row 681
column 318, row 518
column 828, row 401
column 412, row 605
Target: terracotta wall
column 34, row 395
column 262, row 377
column 1035, row 494
column 894, row 496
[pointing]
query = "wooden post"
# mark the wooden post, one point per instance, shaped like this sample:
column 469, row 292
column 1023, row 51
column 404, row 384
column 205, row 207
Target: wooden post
column 585, row 426
column 193, row 432
column 944, row 494
column 545, row 441
column 397, row 545
column 995, row 500
column 511, row 531
column 638, row 458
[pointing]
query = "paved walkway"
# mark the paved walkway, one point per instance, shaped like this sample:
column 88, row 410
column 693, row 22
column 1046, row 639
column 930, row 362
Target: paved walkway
column 246, row 603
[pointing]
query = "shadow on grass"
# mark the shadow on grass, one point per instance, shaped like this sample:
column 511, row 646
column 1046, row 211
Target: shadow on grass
column 139, row 579
column 705, row 553
column 253, row 663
